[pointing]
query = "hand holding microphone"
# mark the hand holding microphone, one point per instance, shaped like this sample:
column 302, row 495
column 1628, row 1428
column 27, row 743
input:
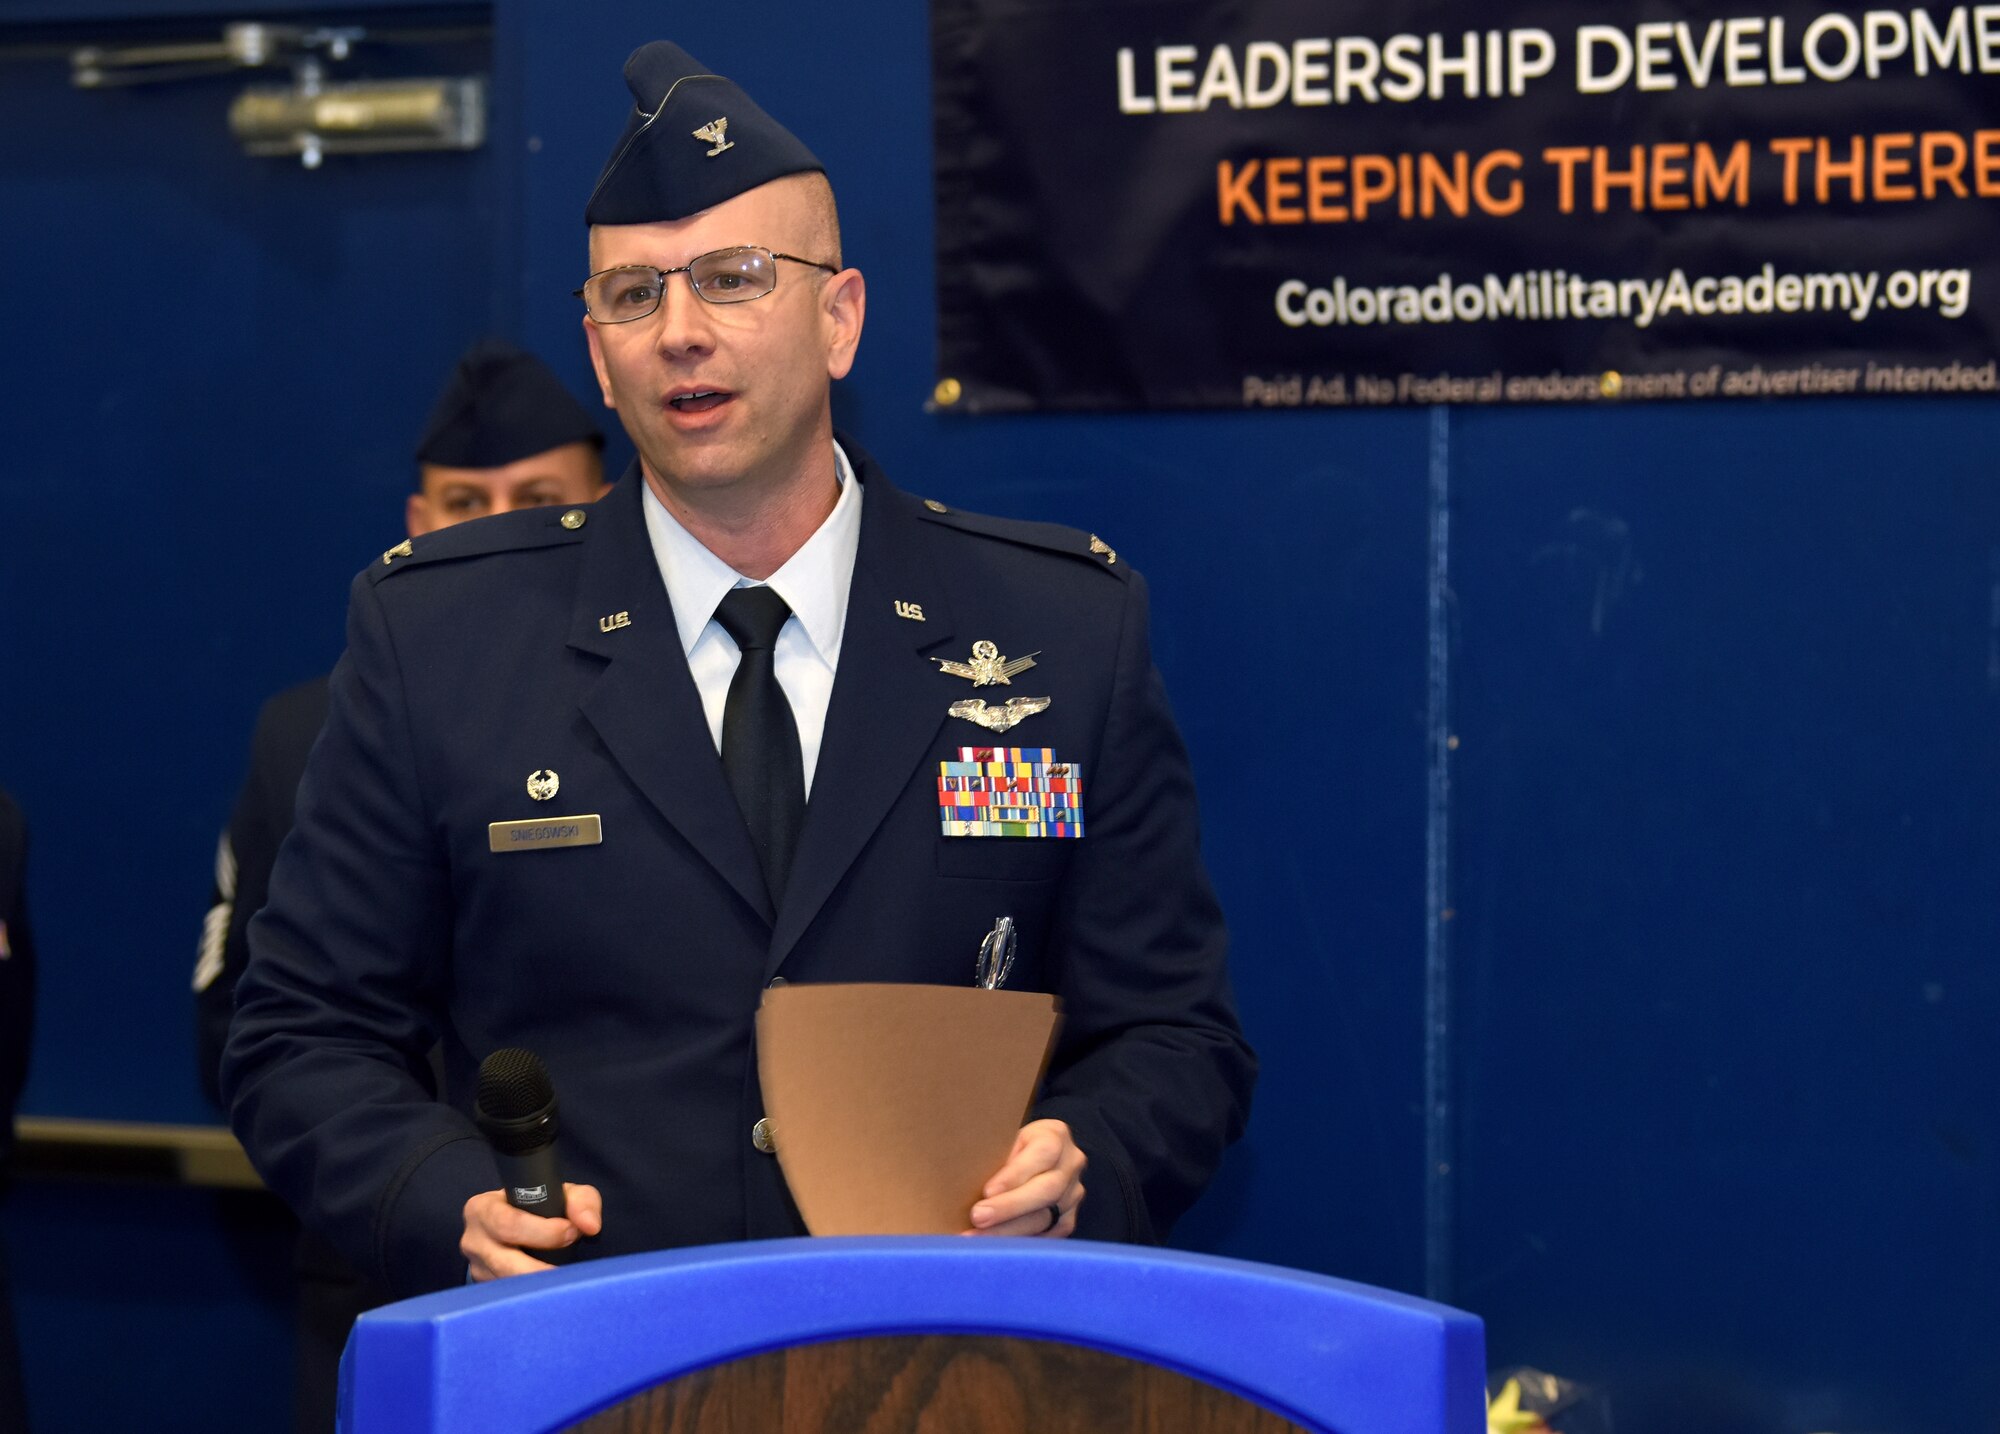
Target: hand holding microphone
column 534, row 1210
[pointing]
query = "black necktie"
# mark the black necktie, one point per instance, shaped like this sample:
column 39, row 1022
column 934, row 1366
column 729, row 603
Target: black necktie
column 760, row 741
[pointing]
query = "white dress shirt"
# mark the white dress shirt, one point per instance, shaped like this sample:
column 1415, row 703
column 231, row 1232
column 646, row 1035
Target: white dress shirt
column 813, row 582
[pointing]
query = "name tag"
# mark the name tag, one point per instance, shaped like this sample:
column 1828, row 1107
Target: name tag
column 543, row 832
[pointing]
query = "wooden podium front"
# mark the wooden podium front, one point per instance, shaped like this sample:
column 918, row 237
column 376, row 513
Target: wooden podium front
column 924, row 1335
column 962, row 1383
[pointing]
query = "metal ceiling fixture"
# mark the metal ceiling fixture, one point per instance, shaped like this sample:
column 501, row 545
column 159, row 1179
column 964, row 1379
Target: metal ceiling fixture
column 309, row 117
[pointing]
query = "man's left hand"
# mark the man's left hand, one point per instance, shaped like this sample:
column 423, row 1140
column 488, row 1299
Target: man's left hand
column 1039, row 1188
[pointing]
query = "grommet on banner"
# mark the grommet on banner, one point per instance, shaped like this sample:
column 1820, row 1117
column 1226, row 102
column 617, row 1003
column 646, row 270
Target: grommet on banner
column 1611, row 384
column 947, row 392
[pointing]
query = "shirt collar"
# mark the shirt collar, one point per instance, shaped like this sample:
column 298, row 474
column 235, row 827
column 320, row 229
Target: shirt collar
column 813, row 582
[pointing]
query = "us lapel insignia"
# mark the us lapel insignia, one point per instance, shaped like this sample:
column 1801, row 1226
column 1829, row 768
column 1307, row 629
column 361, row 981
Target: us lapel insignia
column 987, row 667
column 913, row 611
column 611, row 622
column 543, row 784
column 1013, row 712
column 713, row 132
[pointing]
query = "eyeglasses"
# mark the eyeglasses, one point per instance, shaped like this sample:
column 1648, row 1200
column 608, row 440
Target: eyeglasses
column 725, row 276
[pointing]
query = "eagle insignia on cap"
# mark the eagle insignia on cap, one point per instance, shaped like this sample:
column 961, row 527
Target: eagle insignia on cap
column 713, row 132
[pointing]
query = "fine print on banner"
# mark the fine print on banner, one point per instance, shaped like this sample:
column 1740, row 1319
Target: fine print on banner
column 1362, row 390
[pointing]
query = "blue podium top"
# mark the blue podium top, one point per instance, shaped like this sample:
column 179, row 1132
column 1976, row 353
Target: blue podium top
column 537, row 1352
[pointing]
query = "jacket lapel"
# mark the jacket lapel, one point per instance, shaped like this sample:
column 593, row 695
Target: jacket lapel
column 643, row 704
column 886, row 708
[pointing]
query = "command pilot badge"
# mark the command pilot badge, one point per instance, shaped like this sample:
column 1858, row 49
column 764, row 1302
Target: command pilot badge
column 543, row 784
column 987, row 666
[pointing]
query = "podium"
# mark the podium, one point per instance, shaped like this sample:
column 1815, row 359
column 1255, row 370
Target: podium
column 873, row 1335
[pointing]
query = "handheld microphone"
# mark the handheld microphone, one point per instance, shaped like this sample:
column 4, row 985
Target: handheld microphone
column 516, row 1112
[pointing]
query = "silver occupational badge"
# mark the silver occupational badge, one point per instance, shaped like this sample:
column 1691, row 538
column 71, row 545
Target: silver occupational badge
column 543, row 784
column 987, row 666
column 998, row 719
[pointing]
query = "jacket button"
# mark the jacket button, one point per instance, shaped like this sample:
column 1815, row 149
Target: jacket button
column 575, row 518
column 760, row 1136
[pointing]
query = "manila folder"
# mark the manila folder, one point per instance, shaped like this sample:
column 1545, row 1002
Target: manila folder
column 892, row 1105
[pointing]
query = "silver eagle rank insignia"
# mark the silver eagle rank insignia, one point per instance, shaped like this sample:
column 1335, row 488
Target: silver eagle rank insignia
column 712, row 133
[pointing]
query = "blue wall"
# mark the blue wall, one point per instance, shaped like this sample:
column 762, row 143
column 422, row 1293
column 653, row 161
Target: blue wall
column 1704, row 999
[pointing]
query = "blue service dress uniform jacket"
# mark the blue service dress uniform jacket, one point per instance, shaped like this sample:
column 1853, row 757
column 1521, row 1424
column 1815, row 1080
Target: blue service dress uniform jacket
column 634, row 968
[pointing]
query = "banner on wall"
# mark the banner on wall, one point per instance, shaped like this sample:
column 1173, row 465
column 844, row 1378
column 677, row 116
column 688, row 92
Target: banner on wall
column 1289, row 203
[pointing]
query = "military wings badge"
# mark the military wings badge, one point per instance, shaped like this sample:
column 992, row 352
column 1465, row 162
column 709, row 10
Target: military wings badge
column 987, row 667
column 998, row 719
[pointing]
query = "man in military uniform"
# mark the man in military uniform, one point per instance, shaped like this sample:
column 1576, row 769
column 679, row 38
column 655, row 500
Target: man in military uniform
column 592, row 780
column 504, row 434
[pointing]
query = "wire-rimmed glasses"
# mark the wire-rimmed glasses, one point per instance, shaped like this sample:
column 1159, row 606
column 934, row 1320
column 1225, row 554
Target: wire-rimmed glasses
column 722, row 276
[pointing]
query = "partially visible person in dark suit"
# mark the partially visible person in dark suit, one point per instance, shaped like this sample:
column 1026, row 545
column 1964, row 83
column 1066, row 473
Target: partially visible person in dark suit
column 505, row 435
column 17, row 1017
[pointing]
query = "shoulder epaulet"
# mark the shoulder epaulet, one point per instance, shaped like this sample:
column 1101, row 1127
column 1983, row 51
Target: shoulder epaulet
column 1053, row 537
column 502, row 533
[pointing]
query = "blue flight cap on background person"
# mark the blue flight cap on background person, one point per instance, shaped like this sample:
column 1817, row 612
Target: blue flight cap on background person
column 693, row 140
column 502, row 404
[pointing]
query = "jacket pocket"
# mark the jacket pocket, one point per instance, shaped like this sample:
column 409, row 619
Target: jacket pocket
column 1004, row 858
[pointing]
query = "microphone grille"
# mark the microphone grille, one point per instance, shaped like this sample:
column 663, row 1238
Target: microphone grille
column 514, row 1084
